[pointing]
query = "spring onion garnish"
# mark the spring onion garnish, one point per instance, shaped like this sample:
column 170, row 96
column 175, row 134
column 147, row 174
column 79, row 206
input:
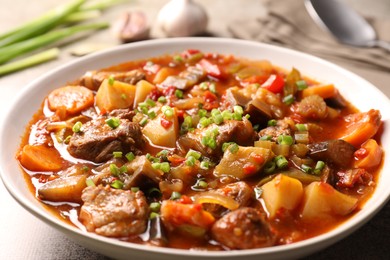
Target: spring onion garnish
column 130, row 156
column 289, row 99
column 319, row 167
column 266, row 138
column 154, row 215
column 202, row 113
column 117, row 184
column 111, row 80
column 194, row 154
column 113, row 122
column 162, row 99
column 227, row 115
column 179, row 94
column 152, row 114
column 285, row 139
column 204, row 165
column 77, row 127
column 190, row 161
column 237, row 114
column 154, row 192
column 204, row 122
column 117, row 154
column 200, row 184
column 271, row 122
column 155, row 206
column 114, row 169
column 217, row 116
column 143, row 121
column 301, row 127
column 175, row 195
column 306, row 168
column 90, row 182
column 213, row 88
column 167, row 110
column 301, row 84
column 281, row 162
column 134, row 189
column 269, row 167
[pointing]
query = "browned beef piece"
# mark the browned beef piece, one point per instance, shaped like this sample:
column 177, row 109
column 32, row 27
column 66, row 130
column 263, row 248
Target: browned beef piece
column 244, row 228
column 338, row 152
column 240, row 132
column 282, row 128
column 123, row 113
column 239, row 191
column 97, row 141
column 113, row 213
column 93, row 79
column 142, row 174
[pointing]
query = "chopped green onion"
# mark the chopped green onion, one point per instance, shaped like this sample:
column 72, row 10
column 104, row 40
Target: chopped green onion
column 266, row 138
column 85, row 168
column 194, row 154
column 77, row 127
column 179, row 93
column 113, row 122
column 227, row 115
column 130, row 156
column 301, row 127
column 67, row 139
column 204, row 122
column 306, row 168
column 162, row 99
column 289, row 99
column 200, row 184
column 258, row 192
column 301, row 84
column 152, row 115
column 117, row 154
column 319, row 167
column 204, row 85
column 111, row 80
column 271, row 122
column 143, row 121
column 123, row 169
column 156, row 166
column 202, row 113
column 213, row 88
column 123, row 96
column 269, row 167
column 281, row 162
column 204, row 165
column 167, row 110
column 177, row 58
column 285, row 139
column 114, row 169
column 238, row 110
column 117, row 184
column 233, row 148
column 90, row 183
column 190, row 161
column 165, row 167
column 155, row 206
column 217, row 116
column 163, row 153
column 175, row 195
column 134, row 189
column 150, row 102
column 153, row 215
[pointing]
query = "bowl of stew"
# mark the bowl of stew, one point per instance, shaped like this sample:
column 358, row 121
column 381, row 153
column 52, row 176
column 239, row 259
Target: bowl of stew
column 199, row 147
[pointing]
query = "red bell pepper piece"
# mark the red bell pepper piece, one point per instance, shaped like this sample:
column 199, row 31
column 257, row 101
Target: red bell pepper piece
column 274, row 83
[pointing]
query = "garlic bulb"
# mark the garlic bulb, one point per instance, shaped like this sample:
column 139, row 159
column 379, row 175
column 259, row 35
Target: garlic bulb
column 180, row 18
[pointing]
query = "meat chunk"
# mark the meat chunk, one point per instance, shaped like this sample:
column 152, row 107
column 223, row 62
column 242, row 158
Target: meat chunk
column 123, row 113
column 244, row 228
column 352, row 177
column 113, row 213
column 338, row 152
column 97, row 141
column 93, row 79
column 282, row 127
column 240, row 132
column 239, row 191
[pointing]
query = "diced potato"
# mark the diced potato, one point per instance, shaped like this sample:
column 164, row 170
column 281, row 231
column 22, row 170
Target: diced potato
column 322, row 201
column 40, row 158
column 143, row 89
column 282, row 192
column 324, row 91
column 115, row 96
column 244, row 162
column 160, row 135
column 373, row 157
column 162, row 74
column 63, row 189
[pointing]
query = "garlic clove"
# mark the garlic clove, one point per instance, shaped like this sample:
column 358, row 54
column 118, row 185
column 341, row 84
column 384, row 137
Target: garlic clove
column 180, row 18
column 131, row 26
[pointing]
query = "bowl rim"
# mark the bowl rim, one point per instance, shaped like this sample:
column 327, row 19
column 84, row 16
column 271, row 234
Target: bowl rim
column 327, row 238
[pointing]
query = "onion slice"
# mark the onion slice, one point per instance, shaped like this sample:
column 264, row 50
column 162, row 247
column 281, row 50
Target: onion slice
column 216, row 198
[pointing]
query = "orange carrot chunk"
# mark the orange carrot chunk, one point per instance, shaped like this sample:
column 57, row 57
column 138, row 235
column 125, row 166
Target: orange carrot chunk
column 40, row 158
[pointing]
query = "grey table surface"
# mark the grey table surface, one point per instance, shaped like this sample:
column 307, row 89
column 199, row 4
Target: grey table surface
column 22, row 236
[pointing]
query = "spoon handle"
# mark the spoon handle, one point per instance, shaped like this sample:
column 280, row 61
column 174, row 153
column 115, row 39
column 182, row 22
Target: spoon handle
column 382, row 44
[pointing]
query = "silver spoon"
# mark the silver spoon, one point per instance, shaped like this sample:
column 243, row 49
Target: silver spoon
column 344, row 23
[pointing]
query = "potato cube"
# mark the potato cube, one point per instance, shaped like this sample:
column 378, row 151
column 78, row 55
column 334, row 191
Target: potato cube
column 282, row 192
column 115, row 96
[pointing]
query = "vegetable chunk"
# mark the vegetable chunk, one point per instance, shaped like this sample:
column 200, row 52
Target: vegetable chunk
column 63, row 189
column 322, row 201
column 282, row 192
column 40, row 158
column 115, row 95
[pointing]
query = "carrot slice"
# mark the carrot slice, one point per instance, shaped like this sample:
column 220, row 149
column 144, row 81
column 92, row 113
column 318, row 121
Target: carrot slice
column 324, row 91
column 40, row 158
column 73, row 98
column 361, row 127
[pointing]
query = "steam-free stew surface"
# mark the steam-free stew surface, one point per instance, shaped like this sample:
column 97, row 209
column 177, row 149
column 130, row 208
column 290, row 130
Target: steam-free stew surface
column 201, row 150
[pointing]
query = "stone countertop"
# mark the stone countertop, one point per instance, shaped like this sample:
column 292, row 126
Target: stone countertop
column 22, row 236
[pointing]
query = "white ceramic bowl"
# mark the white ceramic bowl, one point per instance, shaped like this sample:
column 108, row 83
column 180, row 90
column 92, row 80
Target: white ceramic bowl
column 354, row 88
